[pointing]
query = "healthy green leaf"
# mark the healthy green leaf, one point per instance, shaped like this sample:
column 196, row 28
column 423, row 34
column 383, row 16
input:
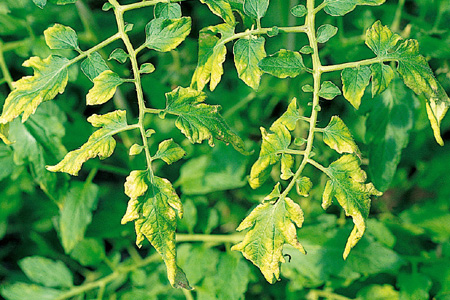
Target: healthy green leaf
column 211, row 55
column 76, row 213
column 46, row 271
column 166, row 34
column 247, row 54
column 272, row 145
column 284, row 63
column 329, row 90
column 299, row 11
column 256, row 8
column 306, row 50
column 50, row 78
column 271, row 226
column 326, row 32
column 347, row 185
column 94, row 65
column 167, row 10
column 21, row 291
column 89, row 252
column 105, row 86
column 342, row 7
column 222, row 9
column 100, row 143
column 169, row 152
column 354, row 83
column 155, row 208
column 119, row 55
column 414, row 286
column 337, row 136
column 7, row 163
column 199, row 121
column 290, row 117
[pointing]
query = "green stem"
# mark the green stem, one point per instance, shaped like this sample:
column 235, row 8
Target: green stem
column 318, row 166
column 153, row 110
column 356, row 64
column 320, row 7
column 292, row 151
column 398, row 16
column 258, row 31
column 210, row 238
column 188, row 294
column 6, row 75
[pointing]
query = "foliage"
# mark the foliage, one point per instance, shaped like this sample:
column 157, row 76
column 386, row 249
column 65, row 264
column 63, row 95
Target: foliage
column 265, row 149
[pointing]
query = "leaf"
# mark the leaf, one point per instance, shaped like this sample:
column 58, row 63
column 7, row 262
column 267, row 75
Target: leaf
column 247, row 54
column 169, row 152
column 50, row 78
column 378, row 292
column 287, row 162
column 271, row 226
column 40, row 3
column 7, row 163
column 303, row 185
column 155, row 208
column 4, row 133
column 414, row 286
column 94, row 65
column 211, row 55
column 382, row 76
column 272, row 145
column 337, row 136
column 199, row 121
column 166, row 34
column 413, row 69
column 354, row 83
column 326, row 32
column 284, row 63
column 119, row 55
column 342, row 7
column 76, row 213
column 347, row 185
column 329, row 90
column 147, row 68
column 105, row 86
column 100, row 143
column 46, row 271
column 135, row 149
column 256, row 8
column 61, row 37
column 21, row 291
column 222, row 9
column 388, row 128
column 167, row 10
column 89, row 252
column 299, row 11
column 290, row 117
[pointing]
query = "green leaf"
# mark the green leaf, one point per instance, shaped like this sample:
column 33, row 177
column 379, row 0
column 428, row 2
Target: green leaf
column 222, row 9
column 167, row 10
column 199, row 121
column 382, row 76
column 155, row 208
column 342, row 7
column 147, row 68
column 247, row 54
column 388, row 127
column 354, row 83
column 136, row 149
column 272, row 145
column 326, row 32
column 76, row 213
column 307, row 88
column 378, row 292
column 414, row 286
column 271, row 226
column 303, row 185
column 119, row 55
column 105, row 86
column 290, row 117
column 61, row 37
column 284, row 63
column 256, row 8
column 169, row 152
column 50, row 78
column 21, row 291
column 337, row 136
column 299, row 11
column 89, row 252
column 40, row 3
column 306, row 50
column 94, row 65
column 347, row 185
column 413, row 69
column 329, row 90
column 46, row 271
column 7, row 163
column 100, row 143
column 211, row 55
column 166, row 34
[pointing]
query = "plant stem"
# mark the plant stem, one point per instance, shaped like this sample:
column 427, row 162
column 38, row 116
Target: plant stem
column 210, row 238
column 318, row 166
column 320, row 7
column 153, row 110
column 356, row 64
column 258, row 31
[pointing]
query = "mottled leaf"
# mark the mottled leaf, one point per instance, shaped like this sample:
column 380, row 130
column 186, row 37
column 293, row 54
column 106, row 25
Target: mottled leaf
column 303, row 185
column 329, row 90
column 382, row 76
column 119, row 55
column 169, row 152
column 354, row 83
column 147, row 68
column 284, row 63
column 326, row 32
column 40, row 3
column 93, row 65
column 105, row 86
column 4, row 133
column 247, row 54
column 222, row 9
column 342, row 7
column 61, row 37
column 299, row 11
column 46, row 271
column 167, row 10
column 256, row 8
column 290, row 117
column 337, row 136
column 166, row 34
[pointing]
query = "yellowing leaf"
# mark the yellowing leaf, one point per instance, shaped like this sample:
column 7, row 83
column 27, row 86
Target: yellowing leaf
column 329, row 90
column 271, row 226
column 61, row 37
column 354, row 83
column 272, row 145
column 337, row 136
column 382, row 76
column 105, row 86
column 100, row 143
column 303, row 185
column 222, row 9
column 4, row 132
column 155, row 208
column 284, row 63
column 199, row 121
column 169, row 152
column 290, row 117
column 50, row 78
column 166, row 34
column 347, row 185
column 247, row 54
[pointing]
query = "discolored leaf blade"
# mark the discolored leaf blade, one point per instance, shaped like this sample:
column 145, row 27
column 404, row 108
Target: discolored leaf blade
column 105, row 86
column 169, row 152
column 61, row 37
column 247, row 54
column 93, row 65
column 382, row 76
column 354, row 83
column 166, row 34
column 290, row 117
column 326, row 32
column 222, row 9
column 329, row 90
column 284, row 63
column 337, row 136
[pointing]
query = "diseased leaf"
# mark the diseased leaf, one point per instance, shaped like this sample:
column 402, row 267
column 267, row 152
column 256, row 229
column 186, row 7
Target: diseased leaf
column 342, row 7
column 166, row 34
column 287, row 162
column 211, row 55
column 382, row 76
column 155, row 208
column 169, row 152
column 303, row 185
column 272, row 145
column 329, row 90
column 21, row 291
column 347, row 185
column 100, row 143
column 4, row 133
column 247, row 54
column 135, row 149
column 284, row 63
column 222, row 9
column 337, row 136
column 93, row 65
column 40, row 3
column 271, row 226
column 299, row 11
column 256, row 8
column 46, row 271
column 61, row 37
column 290, row 117
column 147, row 68
column 119, row 55
column 167, row 10
column 326, row 32
column 50, row 78
column 199, row 121
column 354, row 83
column 105, row 86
